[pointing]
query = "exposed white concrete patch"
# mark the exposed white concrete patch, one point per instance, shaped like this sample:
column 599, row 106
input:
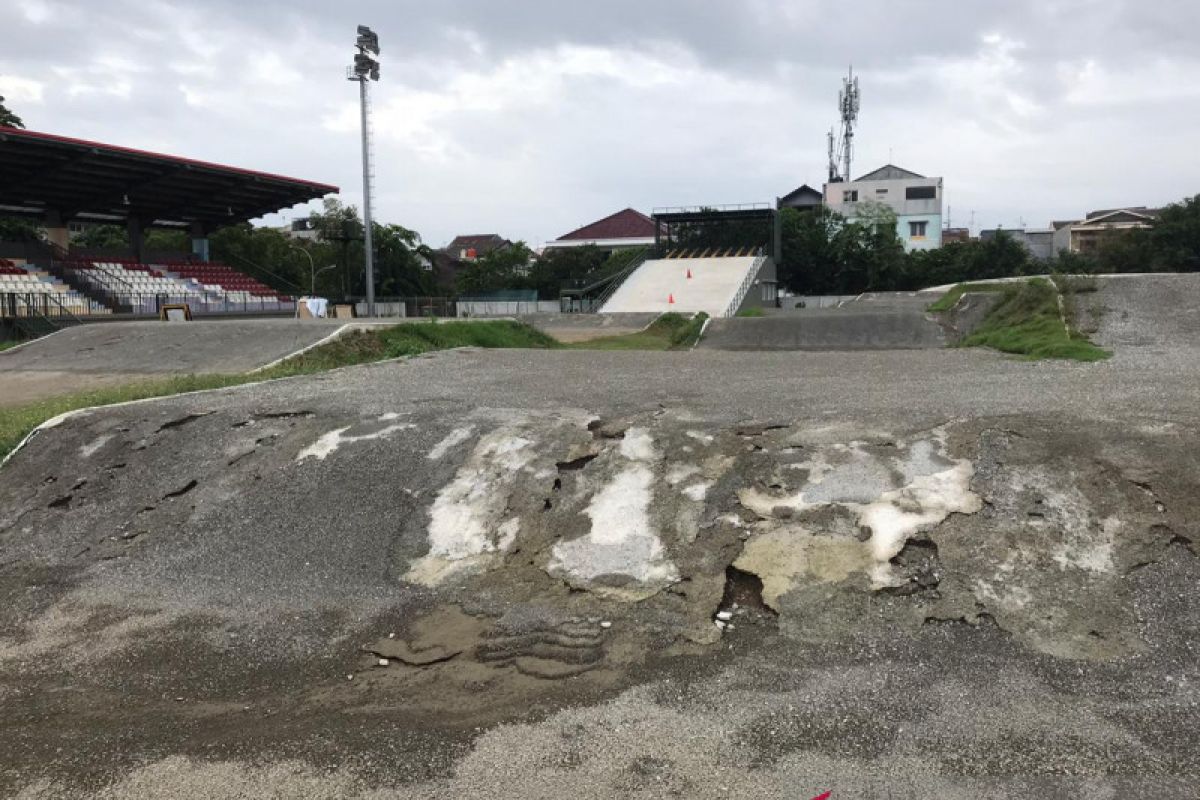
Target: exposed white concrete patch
column 1093, row 553
column 622, row 554
column 924, row 502
column 679, row 473
column 637, row 445
column 328, row 443
column 700, row 436
column 91, row 448
column 895, row 493
column 466, row 522
column 451, row 440
column 697, row 491
column 322, row 447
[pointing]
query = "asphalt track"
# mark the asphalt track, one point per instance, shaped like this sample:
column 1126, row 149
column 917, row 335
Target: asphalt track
column 152, row 347
column 96, row 355
column 188, row 584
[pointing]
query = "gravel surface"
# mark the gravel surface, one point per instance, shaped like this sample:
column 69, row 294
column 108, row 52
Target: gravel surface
column 188, row 584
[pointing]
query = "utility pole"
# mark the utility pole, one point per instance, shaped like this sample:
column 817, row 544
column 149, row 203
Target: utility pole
column 365, row 67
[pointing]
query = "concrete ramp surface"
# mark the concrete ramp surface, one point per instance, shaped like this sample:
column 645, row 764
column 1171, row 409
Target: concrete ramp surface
column 1143, row 311
column 826, row 329
column 713, row 284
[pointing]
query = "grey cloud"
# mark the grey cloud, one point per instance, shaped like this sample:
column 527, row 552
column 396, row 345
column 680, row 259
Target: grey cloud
column 1009, row 142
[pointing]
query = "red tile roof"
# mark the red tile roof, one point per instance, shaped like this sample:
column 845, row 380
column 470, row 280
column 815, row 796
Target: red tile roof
column 480, row 242
column 627, row 224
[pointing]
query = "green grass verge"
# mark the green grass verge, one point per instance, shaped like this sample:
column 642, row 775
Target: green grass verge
column 950, row 298
column 413, row 338
column 357, row 347
column 671, row 331
column 752, row 311
column 1027, row 322
column 7, row 345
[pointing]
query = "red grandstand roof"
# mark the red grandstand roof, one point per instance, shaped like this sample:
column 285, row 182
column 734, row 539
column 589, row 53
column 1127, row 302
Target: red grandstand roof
column 626, row 224
column 91, row 180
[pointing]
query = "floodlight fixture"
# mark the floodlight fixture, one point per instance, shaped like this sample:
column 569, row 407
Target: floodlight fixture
column 368, row 40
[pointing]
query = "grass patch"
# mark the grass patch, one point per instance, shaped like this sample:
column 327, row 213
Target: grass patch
column 1027, row 322
column 752, row 311
column 357, row 347
column 6, row 345
column 410, row 339
column 950, row 298
column 671, row 331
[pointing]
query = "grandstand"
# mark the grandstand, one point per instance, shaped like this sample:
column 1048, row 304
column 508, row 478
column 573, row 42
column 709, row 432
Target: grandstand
column 56, row 180
column 25, row 293
column 130, row 287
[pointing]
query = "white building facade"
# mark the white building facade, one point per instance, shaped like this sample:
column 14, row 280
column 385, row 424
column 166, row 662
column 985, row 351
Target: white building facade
column 915, row 199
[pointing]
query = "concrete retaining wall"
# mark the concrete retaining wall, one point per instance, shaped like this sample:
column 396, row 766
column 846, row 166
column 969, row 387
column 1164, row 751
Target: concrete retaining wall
column 835, row 330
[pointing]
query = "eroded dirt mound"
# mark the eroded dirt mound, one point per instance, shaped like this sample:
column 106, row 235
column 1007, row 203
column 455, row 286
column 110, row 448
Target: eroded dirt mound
column 399, row 579
column 570, row 520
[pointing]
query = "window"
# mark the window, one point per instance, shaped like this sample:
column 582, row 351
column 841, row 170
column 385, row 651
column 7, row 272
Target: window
column 850, row 196
column 920, row 193
column 916, row 230
column 880, row 192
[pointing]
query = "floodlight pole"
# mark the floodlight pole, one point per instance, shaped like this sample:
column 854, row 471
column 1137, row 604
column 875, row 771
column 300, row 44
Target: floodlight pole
column 366, row 160
column 366, row 68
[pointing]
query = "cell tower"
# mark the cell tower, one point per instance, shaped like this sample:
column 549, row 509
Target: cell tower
column 841, row 149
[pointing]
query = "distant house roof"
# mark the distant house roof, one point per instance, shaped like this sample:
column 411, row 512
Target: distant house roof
column 1131, row 214
column 890, row 172
column 803, row 197
column 481, row 243
column 625, row 224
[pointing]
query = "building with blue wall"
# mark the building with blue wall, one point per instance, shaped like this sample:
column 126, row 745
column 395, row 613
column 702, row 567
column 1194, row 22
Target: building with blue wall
column 915, row 199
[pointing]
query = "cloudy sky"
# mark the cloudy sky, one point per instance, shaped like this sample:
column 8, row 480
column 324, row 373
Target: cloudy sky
column 531, row 117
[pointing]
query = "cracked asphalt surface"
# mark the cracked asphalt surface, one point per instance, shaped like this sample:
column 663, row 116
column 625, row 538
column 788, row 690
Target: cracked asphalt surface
column 196, row 596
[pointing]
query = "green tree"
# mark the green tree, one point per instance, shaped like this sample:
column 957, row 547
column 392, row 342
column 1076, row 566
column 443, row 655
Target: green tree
column 809, row 263
column 7, row 118
column 403, row 264
column 264, row 253
column 164, row 241
column 1173, row 242
column 505, row 268
column 563, row 267
column 17, row 229
column 102, row 237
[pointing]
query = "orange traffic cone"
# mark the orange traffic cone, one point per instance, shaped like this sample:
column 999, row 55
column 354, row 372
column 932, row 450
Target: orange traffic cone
column 671, row 299
column 689, row 273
